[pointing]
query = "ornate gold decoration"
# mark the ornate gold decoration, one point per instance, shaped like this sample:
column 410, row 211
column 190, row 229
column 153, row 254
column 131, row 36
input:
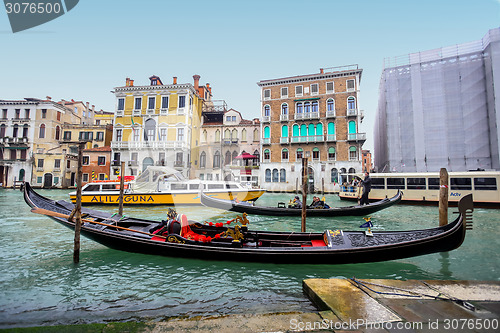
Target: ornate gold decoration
column 235, row 233
column 242, row 219
column 175, row 239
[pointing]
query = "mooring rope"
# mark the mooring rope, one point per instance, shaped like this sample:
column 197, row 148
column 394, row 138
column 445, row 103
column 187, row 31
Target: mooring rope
column 460, row 302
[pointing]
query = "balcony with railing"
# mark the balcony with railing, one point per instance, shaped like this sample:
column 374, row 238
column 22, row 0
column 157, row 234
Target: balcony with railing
column 229, row 141
column 352, row 112
column 331, row 137
column 284, row 117
column 330, row 114
column 20, row 120
column 148, row 145
column 306, row 115
column 266, row 141
column 356, row 137
column 266, row 119
column 214, row 106
column 308, row 138
column 284, row 139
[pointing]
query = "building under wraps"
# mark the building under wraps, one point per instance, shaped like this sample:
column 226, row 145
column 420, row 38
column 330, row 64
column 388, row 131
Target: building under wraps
column 441, row 109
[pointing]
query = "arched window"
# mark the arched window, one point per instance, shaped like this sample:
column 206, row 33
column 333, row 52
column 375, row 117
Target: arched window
column 268, row 175
column 284, row 109
column 244, row 135
column 58, row 133
column 331, row 132
column 319, row 129
column 315, row 153
column 216, row 159
column 331, row 154
column 334, row 176
column 204, row 136
column 256, row 160
column 352, row 127
column 303, row 130
column 148, row 161
column 312, row 130
column 282, row 176
column 15, row 129
column 267, row 154
column 295, row 130
column 227, row 134
column 149, row 130
column 275, row 176
column 351, row 103
column 267, row 132
column 267, row 111
column 203, row 159
column 2, row 130
column 300, row 153
column 352, row 170
column 298, row 108
column 353, row 153
column 256, row 135
column 315, row 107
column 41, row 133
column 234, row 135
column 217, row 136
column 307, row 107
column 233, row 157
column 227, row 160
column 284, row 154
column 284, row 131
column 330, row 106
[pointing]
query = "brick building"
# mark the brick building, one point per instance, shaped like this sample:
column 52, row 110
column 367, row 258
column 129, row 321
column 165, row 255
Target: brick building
column 314, row 116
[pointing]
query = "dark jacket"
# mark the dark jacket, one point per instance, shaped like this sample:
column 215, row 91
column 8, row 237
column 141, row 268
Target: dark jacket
column 367, row 184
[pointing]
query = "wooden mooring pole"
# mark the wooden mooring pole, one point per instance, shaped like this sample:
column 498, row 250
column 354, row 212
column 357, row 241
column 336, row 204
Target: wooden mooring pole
column 78, row 206
column 443, row 197
column 122, row 186
column 304, row 194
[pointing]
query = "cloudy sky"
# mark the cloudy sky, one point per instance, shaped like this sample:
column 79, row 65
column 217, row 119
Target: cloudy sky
column 85, row 53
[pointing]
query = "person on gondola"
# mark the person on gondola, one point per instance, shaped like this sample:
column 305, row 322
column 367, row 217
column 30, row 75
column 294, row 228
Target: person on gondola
column 367, row 186
column 316, row 203
column 296, row 203
column 171, row 216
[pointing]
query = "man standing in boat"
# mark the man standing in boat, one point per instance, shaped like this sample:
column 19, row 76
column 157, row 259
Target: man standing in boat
column 367, row 186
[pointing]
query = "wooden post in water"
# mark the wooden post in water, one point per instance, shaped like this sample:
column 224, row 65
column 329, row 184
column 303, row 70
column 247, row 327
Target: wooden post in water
column 78, row 206
column 122, row 186
column 304, row 194
column 443, row 197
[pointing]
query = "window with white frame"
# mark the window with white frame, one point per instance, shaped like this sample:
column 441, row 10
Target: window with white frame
column 180, row 134
column 164, row 102
column 119, row 134
column 314, row 89
column 182, row 102
column 137, row 103
column 298, row 91
column 350, row 85
column 121, row 104
column 284, row 92
column 284, row 109
column 267, row 94
column 267, row 111
column 329, row 88
column 151, row 103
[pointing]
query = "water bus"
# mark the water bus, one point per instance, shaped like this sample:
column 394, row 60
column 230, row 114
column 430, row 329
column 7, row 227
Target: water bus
column 423, row 188
column 163, row 186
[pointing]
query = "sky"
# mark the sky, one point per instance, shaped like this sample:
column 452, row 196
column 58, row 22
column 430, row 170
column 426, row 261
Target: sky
column 232, row 45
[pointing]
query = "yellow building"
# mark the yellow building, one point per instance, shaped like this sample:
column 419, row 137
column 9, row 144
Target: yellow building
column 158, row 124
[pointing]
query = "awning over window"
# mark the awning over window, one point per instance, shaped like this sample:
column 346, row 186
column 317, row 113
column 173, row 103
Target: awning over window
column 306, row 99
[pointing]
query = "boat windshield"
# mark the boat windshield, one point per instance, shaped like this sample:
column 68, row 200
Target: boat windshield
column 147, row 181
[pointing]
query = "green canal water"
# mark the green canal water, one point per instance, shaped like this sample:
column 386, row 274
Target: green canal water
column 40, row 285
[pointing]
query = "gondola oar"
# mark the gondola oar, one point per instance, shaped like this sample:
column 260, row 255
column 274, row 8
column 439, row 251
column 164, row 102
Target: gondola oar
column 55, row 214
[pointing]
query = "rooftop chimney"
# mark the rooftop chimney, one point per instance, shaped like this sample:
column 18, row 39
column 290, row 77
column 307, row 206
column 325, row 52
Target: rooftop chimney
column 196, row 79
column 175, row 79
column 127, row 82
column 321, row 70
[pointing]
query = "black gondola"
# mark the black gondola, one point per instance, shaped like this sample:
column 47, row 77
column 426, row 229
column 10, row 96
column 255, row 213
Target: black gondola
column 245, row 207
column 239, row 244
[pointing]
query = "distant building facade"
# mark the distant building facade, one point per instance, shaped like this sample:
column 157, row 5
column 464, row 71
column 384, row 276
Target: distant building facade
column 225, row 136
column 158, row 124
column 315, row 116
column 441, row 109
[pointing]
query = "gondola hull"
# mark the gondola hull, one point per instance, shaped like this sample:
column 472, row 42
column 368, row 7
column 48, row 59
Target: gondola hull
column 357, row 210
column 258, row 246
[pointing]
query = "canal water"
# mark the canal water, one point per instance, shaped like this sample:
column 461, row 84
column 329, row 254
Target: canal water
column 40, row 285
